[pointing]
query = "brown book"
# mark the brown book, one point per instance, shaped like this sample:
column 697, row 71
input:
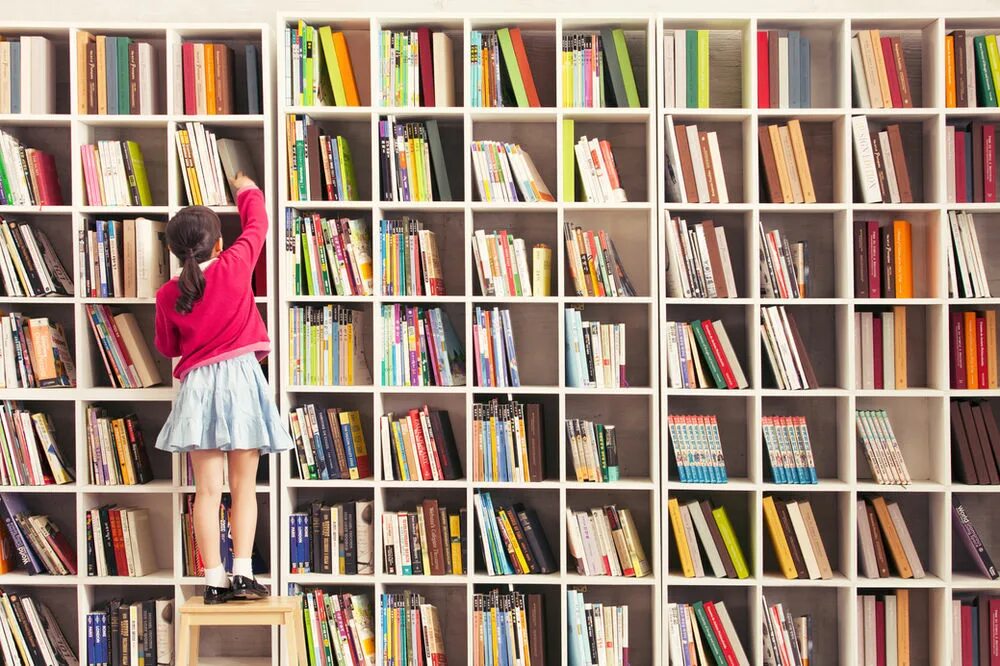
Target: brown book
column 432, row 523
column 536, row 444
column 880, row 557
column 133, row 77
column 961, row 82
column 984, row 443
column 904, row 80
column 803, row 353
column 217, row 50
column 888, row 248
column 83, row 71
column 333, row 416
column 883, row 182
column 967, row 471
column 785, row 137
column 899, row 164
column 815, row 540
column 706, row 159
column 91, row 77
column 991, row 429
column 773, row 69
column 899, row 345
column 774, row 135
column 790, row 538
column 770, row 165
column 892, row 540
column 312, row 161
column 687, row 167
column 715, row 258
column 720, row 544
column 536, row 627
column 975, row 447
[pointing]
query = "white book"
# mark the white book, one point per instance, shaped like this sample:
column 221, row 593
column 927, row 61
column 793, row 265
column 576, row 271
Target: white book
column 891, row 651
column 890, row 169
column 977, row 255
column 603, row 177
column 720, row 175
column 668, row 68
column 866, row 352
column 949, row 156
column 912, row 557
column 783, row 72
column 787, row 334
column 858, row 81
column 672, row 166
column 727, row 349
column 147, row 78
column 805, row 544
column 680, row 70
column 868, row 563
column 727, row 263
column 444, row 85
column 697, row 164
column 586, row 169
column 676, row 270
column 970, row 66
column 956, row 630
column 865, row 161
column 699, row 568
column 706, row 265
column 888, row 349
column 673, row 635
column 37, row 77
column 385, row 439
column 779, row 343
column 970, row 254
column 772, row 355
column 961, row 257
column 700, row 523
column 734, row 638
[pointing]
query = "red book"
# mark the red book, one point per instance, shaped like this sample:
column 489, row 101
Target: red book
column 720, row 633
column 880, row 632
column 877, row 351
column 958, row 380
column 960, row 175
column 874, row 272
column 49, row 193
column 426, row 66
column 118, row 541
column 981, row 349
column 989, row 163
column 763, row 78
column 967, row 635
column 720, row 355
column 60, row 545
column 420, row 443
column 891, row 73
column 187, row 63
column 994, row 632
column 522, row 65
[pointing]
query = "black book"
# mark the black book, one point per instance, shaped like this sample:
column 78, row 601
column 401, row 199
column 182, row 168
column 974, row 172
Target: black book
column 91, row 553
column 442, row 189
column 27, row 629
column 133, row 186
column 148, row 624
column 315, row 525
column 253, row 76
column 137, row 446
column 109, row 545
column 240, row 101
column 125, row 636
column 535, row 536
column 326, row 552
column 327, row 441
column 350, row 538
column 416, row 552
column 444, row 441
column 26, row 259
column 114, row 633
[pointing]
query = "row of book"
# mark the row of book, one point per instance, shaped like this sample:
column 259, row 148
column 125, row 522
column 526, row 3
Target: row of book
column 493, row 346
column 27, row 82
column 507, row 442
column 785, row 163
column 29, row 265
column 320, row 166
column 29, row 632
column 318, row 67
column 329, row 443
column 880, row 349
column 973, row 337
column 693, row 521
column 786, row 353
column 784, row 265
column 337, row 539
column 789, row 451
column 879, row 77
column 697, row 448
column 883, row 176
column 595, row 352
column 411, row 630
column 114, row 173
column 127, row 358
column 596, row 70
column 976, row 442
column 788, row 639
column 512, row 538
column 971, row 69
column 412, row 161
column 598, row 172
column 603, row 541
column 798, row 544
column 506, row 173
column 974, row 632
column 419, row 445
column 40, row 545
column 28, row 176
column 29, row 453
column 883, row 537
column 123, row 258
column 594, row 450
column 595, row 265
column 784, row 70
column 326, row 346
column 411, row 265
column 119, row 542
column 700, row 355
column 328, row 256
column 970, row 162
column 699, row 265
column 502, row 265
column 116, row 449
column 427, row 336
column 416, row 68
column 883, row 258
column 207, row 162
column 500, row 75
column 219, row 79
column 694, row 168
column 885, row 458
column 510, row 625
column 131, row 632
column 428, row 541
column 703, row 630
column 34, row 353
column 192, row 562
column 115, row 75
column 339, row 629
column 686, row 69
column 966, row 270
column 597, row 632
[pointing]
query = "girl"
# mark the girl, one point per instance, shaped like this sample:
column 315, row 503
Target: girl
column 208, row 317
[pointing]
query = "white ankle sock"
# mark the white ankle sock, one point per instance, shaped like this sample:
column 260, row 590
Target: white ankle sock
column 216, row 576
column 242, row 567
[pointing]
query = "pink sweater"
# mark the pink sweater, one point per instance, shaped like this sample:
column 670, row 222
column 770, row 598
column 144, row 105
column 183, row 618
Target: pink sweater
column 225, row 323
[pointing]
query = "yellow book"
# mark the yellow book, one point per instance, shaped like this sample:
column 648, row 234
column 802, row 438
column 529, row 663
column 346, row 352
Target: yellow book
column 210, row 79
column 991, row 350
column 779, row 158
column 680, row 539
column 332, row 66
column 781, row 550
column 455, row 532
column 568, row 161
column 541, row 270
column 801, row 161
column 124, row 457
column 732, row 543
column 360, row 447
column 880, row 67
column 899, row 344
column 518, row 554
column 102, row 74
column 703, row 77
column 993, row 55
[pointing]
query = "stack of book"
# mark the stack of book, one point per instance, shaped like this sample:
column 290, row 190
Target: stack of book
column 883, row 259
column 336, row 539
column 789, row 639
column 119, row 542
column 29, row 265
column 703, row 627
column 880, row 80
column 416, row 68
column 412, row 161
column 320, row 166
column 595, row 353
column 419, row 445
column 502, row 265
column 131, row 632
column 596, row 70
column 697, row 448
column 114, row 174
column 604, row 541
column 686, row 69
column 976, row 442
column 512, row 538
column 192, row 563
column 123, row 258
column 34, row 353
column 718, row 540
column 428, row 541
column 595, row 163
column 116, row 450
column 786, row 353
column 328, row 256
column 514, row 620
column 880, row 349
column 883, row 176
column 422, row 348
column 789, row 451
column 508, row 442
column 700, row 355
column 881, row 528
column 340, row 630
column 30, row 628
column 784, row 266
column 594, row 450
column 506, row 173
column 218, row 79
column 597, row 632
column 971, row 69
column 41, row 547
column 115, row 75
column 319, row 60
column 329, row 443
column 973, row 632
column 314, row 359
column 411, row 628
column 30, row 176
column 784, row 70
column 26, row 64
column 884, row 629
column 785, row 163
column 698, row 259
column 973, row 543
column 411, row 265
column 694, row 168
column 973, row 349
column 127, row 358
column 966, row 270
column 493, row 345
column 798, row 544
column 594, row 264
column 970, row 162
column 30, row 455
column 885, row 458
column 500, row 74
column 207, row 162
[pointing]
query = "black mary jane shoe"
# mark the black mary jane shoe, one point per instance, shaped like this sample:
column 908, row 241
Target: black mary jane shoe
column 248, row 589
column 217, row 595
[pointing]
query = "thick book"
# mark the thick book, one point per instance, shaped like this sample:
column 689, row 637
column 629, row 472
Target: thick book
column 973, row 543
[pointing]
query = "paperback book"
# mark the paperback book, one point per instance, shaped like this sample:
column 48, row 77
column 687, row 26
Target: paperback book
column 335, row 539
column 789, row 450
column 419, row 445
column 329, row 443
column 604, row 541
column 796, row 539
column 427, row 541
column 512, row 538
column 508, row 442
column 697, row 448
column 328, row 256
column 698, row 521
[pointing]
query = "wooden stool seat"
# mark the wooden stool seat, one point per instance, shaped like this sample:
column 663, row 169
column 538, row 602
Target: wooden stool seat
column 273, row 611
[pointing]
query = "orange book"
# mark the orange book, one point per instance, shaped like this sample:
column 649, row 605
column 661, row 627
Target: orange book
column 210, row 79
column 902, row 239
column 42, row 359
column 950, row 94
column 346, row 69
column 971, row 354
column 899, row 345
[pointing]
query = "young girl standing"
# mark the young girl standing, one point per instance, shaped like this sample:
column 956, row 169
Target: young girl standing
column 224, row 408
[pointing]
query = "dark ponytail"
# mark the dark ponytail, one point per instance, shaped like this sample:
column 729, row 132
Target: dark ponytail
column 191, row 235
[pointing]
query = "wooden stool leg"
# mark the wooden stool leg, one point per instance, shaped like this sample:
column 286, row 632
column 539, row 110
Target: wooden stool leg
column 195, row 642
column 184, row 640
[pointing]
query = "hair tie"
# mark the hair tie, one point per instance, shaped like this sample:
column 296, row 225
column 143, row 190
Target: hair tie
column 190, row 253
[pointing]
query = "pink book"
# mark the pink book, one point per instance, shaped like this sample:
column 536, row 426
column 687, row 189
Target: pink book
column 877, row 351
column 891, row 74
column 90, row 175
column 989, row 163
column 187, row 64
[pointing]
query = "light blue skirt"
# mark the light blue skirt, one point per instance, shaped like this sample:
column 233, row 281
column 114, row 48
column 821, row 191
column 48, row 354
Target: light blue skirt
column 225, row 406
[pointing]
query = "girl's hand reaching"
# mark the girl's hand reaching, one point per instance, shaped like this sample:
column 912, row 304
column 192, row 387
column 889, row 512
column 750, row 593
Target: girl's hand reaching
column 242, row 181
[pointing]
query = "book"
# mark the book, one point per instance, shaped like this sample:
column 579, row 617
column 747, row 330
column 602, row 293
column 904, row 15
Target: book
column 697, row 447
column 507, row 443
column 310, row 362
column 411, row 265
column 331, row 256
column 882, row 451
column 412, row 161
column 595, row 352
column 596, row 69
column 28, row 176
column 115, row 174
column 783, row 163
column 409, row 68
column 427, row 336
column 133, row 631
column 116, row 449
column 594, row 264
column 974, row 546
column 127, row 358
column 788, row 360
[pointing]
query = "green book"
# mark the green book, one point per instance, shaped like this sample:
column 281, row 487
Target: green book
column 707, row 355
column 296, row 227
column 994, row 57
column 984, row 77
column 350, row 182
column 307, row 266
column 308, row 625
column 139, row 169
column 510, row 64
column 5, row 184
column 123, row 88
column 332, row 68
column 708, row 633
column 691, row 60
column 732, row 543
column 625, row 64
column 703, row 80
column 568, row 162
column 300, row 163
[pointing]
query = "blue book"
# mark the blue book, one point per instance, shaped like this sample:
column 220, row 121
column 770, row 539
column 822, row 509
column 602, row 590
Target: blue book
column 111, row 72
column 793, row 69
column 515, row 378
column 573, row 370
column 348, row 436
column 90, row 640
column 805, row 73
column 103, row 650
column 15, row 77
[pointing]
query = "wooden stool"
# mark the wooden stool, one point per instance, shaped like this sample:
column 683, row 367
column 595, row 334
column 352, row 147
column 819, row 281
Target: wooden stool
column 273, row 611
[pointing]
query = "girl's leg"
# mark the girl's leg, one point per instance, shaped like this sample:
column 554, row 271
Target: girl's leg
column 243, row 517
column 208, row 468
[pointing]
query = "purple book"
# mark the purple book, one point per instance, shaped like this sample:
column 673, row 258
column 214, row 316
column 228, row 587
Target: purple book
column 973, row 544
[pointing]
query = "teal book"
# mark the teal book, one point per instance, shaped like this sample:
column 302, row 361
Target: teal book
column 691, row 60
column 708, row 633
column 984, row 75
